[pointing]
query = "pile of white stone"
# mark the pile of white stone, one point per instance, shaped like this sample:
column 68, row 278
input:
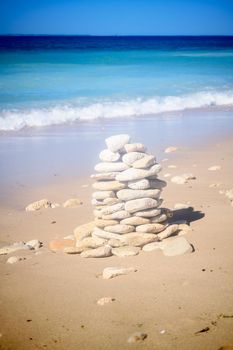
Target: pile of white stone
column 128, row 213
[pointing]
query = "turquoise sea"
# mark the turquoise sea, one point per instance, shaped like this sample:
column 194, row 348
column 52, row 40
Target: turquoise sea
column 50, row 80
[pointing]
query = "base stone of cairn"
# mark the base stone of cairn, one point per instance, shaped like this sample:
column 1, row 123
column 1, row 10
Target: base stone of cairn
column 127, row 201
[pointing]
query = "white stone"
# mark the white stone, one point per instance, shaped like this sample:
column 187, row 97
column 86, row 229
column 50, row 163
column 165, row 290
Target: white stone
column 108, row 156
column 90, row 243
column 140, row 204
column 72, row 203
column 109, row 167
column 105, row 176
column 119, row 215
column 170, row 149
column 150, row 228
column 137, row 337
column 83, row 231
column 34, row 244
column 138, row 239
column 113, row 208
column 108, row 185
column 137, row 174
column 41, row 204
column 111, row 272
column 115, row 243
column 229, row 194
column 179, row 180
column 100, row 195
column 167, row 175
column 181, row 206
column 214, row 168
column 159, row 218
column 74, row 250
column 110, row 201
column 105, row 300
column 170, row 230
column 134, row 221
column 149, row 213
column 103, row 223
column 116, row 142
column 184, row 227
column 119, row 228
column 126, row 251
column 13, row 248
column 13, row 260
column 145, row 162
column 139, row 185
column 97, row 232
column 55, row 205
column 101, row 252
column 151, row 246
column 177, row 246
column 135, row 147
column 172, row 166
column 128, row 194
column 131, row 157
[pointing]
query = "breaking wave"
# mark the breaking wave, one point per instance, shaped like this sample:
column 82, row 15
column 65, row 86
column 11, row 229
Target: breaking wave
column 18, row 119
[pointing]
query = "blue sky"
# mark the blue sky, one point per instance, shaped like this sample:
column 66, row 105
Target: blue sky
column 121, row 17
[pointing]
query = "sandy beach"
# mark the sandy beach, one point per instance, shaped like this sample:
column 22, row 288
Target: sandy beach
column 49, row 300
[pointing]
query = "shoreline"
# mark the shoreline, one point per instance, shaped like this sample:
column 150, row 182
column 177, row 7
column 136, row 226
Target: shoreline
column 169, row 298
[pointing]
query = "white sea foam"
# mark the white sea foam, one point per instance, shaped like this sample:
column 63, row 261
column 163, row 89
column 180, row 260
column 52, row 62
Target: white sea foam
column 18, row 119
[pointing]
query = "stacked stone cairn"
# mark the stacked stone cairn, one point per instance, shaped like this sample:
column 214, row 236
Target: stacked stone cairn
column 127, row 203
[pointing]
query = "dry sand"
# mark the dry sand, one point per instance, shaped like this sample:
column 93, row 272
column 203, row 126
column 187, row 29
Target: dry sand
column 48, row 301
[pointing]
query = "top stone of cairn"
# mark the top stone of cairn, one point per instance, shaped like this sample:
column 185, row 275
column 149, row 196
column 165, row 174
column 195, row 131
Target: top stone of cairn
column 116, row 142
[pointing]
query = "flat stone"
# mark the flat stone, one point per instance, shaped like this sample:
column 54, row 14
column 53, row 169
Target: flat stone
column 105, row 234
column 103, row 223
column 101, row 195
column 108, row 185
column 140, row 204
column 73, row 250
column 214, row 168
column 150, row 228
column 34, row 244
column 97, row 213
column 181, row 206
column 90, row 243
column 139, row 185
column 13, row 248
column 137, row 174
column 177, row 246
column 110, row 201
column 109, row 167
column 159, row 184
column 151, row 246
column 13, row 259
column 105, row 300
column 59, row 244
column 170, row 230
column 159, row 218
column 116, row 142
column 120, row 228
column 128, row 194
column 111, row 272
column 72, row 203
column 149, row 213
column 85, row 230
column 105, row 176
column 170, row 149
column 115, row 243
column 108, row 156
column 138, row 239
column 113, row 208
column 101, row 252
column 126, row 251
column 119, row 215
column 135, row 147
column 137, row 337
column 131, row 157
column 38, row 205
column 134, row 220
column 144, row 162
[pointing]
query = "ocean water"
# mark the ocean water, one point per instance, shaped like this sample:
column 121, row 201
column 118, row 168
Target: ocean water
column 51, row 80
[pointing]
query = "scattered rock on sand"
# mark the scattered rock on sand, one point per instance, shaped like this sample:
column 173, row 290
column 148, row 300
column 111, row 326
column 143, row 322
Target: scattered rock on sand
column 110, row 272
column 41, row 204
column 170, row 149
column 72, row 203
column 182, row 179
column 34, row 244
column 101, row 252
column 13, row 248
column 125, row 251
column 137, row 337
column 214, row 168
column 13, row 259
column 151, row 246
column 59, row 244
column 229, row 194
column 177, row 246
column 105, row 300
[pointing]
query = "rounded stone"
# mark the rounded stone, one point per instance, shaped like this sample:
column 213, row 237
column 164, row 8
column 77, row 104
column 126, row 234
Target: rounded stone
column 131, row 157
column 90, row 243
column 103, row 223
column 97, row 232
column 170, row 230
column 128, row 194
column 177, row 246
column 105, row 176
column 113, row 208
column 108, row 156
column 116, row 142
column 159, row 218
column 138, row 239
column 100, row 195
column 140, row 204
column 108, row 185
column 139, row 185
column 101, row 252
column 109, row 167
column 135, row 147
column 126, row 251
column 134, row 220
column 150, row 228
column 149, row 213
column 72, row 203
column 119, row 215
column 144, row 162
column 120, row 228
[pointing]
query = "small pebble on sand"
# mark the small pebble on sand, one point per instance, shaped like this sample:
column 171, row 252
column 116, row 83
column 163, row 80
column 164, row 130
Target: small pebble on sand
column 137, row 337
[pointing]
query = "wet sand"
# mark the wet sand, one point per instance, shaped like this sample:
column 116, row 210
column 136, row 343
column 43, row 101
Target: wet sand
column 48, row 300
